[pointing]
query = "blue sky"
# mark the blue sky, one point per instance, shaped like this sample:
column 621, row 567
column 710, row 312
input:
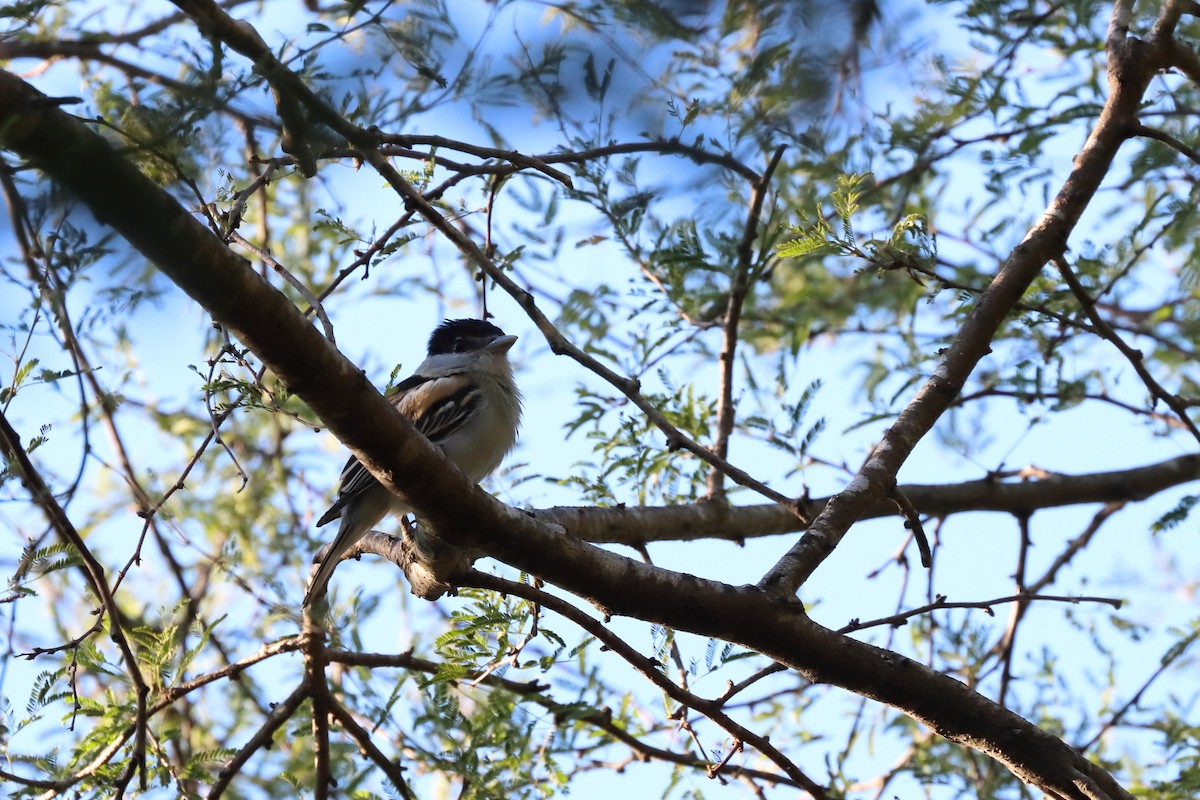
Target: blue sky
column 975, row 550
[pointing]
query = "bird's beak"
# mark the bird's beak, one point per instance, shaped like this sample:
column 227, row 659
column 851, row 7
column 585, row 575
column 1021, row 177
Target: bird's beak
column 500, row 344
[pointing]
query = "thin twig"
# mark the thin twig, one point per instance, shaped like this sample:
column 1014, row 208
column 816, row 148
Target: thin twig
column 1075, row 546
column 912, row 521
column 227, row 347
column 735, row 688
column 535, row 693
column 279, row 715
column 363, row 738
column 1162, row 136
column 739, row 288
column 1007, row 644
column 1134, row 357
column 941, row 603
column 512, row 156
column 297, row 284
column 1176, row 652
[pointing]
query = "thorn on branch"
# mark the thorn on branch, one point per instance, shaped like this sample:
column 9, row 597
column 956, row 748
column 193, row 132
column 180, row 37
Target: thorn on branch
column 912, row 521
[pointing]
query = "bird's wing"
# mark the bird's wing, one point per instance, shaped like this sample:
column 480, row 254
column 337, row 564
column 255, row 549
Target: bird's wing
column 439, row 406
column 435, row 406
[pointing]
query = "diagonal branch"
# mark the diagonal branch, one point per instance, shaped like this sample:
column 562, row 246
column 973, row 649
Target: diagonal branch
column 465, row 516
column 93, row 570
column 279, row 715
column 534, row 692
column 1075, row 546
column 1133, row 356
column 1131, row 66
column 650, row 669
column 367, row 744
column 245, row 40
column 1176, row 652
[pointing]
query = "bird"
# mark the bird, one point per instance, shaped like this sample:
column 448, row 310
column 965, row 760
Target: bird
column 463, row 398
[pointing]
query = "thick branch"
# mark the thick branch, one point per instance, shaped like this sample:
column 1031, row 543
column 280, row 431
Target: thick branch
column 244, row 39
column 640, row 524
column 467, row 517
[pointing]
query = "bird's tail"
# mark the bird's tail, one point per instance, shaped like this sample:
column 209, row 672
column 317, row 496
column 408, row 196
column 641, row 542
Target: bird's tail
column 349, row 532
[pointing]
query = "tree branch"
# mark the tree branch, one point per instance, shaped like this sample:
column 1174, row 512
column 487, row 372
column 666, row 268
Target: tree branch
column 365, row 742
column 941, row 604
column 650, row 670
column 739, row 287
column 467, row 517
column 14, row 454
column 534, row 692
column 634, row 525
column 279, row 715
column 1134, row 357
column 1131, row 66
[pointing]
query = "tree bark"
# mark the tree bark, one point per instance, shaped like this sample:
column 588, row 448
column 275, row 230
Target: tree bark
column 461, row 513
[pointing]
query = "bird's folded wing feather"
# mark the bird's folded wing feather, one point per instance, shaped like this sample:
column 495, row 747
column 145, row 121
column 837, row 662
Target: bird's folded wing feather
column 436, row 406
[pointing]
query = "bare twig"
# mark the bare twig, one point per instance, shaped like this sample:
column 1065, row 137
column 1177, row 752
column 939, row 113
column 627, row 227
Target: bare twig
column 1006, row 647
column 669, row 146
column 292, row 280
column 1167, row 139
column 367, row 744
column 912, row 521
column 227, row 347
column 279, row 715
column 1075, row 546
column 1134, row 357
column 942, row 603
column 739, row 288
column 735, row 688
column 1168, row 660
column 535, row 693
column 1170, row 420
column 512, row 156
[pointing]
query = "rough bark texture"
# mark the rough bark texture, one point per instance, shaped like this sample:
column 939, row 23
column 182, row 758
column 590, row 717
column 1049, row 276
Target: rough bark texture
column 119, row 195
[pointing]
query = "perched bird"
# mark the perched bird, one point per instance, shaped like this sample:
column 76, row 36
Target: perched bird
column 462, row 398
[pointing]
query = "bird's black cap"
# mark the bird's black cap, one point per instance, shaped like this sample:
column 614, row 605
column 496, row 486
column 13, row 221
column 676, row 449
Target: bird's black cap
column 462, row 335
